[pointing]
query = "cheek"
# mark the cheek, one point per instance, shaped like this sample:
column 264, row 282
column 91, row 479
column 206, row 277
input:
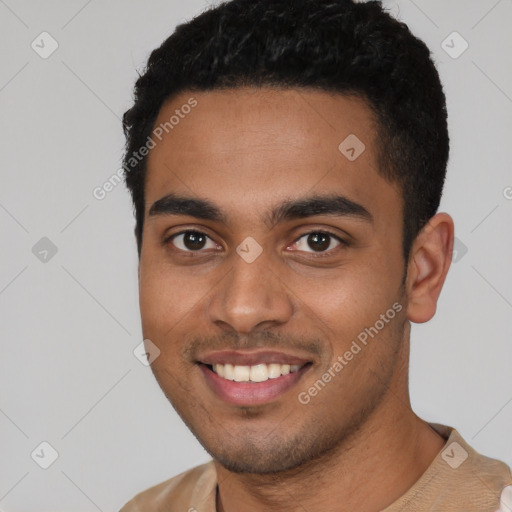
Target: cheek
column 160, row 304
column 166, row 295
column 351, row 296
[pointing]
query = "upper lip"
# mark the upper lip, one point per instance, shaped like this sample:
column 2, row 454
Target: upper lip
column 245, row 358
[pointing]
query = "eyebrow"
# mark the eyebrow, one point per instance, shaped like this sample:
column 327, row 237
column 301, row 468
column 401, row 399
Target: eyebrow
column 335, row 205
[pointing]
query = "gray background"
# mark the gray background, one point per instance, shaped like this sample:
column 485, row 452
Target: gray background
column 70, row 320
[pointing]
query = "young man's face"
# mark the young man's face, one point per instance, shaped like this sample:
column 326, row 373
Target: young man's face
column 213, row 297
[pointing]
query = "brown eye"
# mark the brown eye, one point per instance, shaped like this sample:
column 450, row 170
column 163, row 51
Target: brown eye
column 318, row 242
column 191, row 241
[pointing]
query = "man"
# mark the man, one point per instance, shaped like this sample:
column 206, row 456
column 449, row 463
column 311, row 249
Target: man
column 286, row 161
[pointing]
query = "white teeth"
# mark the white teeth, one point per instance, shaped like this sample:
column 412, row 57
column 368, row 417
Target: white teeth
column 228, row 371
column 241, row 373
column 257, row 373
column 274, row 371
column 219, row 369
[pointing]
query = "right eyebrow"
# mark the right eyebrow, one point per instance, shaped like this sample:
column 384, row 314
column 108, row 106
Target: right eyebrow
column 173, row 204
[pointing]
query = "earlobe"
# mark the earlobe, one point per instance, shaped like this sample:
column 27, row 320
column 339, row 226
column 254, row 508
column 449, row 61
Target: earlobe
column 429, row 261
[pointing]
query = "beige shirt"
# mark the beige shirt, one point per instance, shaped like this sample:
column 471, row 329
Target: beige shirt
column 458, row 479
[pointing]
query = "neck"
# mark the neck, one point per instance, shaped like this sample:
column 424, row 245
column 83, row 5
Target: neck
column 368, row 471
column 373, row 470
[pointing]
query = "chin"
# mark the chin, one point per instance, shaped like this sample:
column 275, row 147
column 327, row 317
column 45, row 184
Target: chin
column 285, row 455
column 260, row 467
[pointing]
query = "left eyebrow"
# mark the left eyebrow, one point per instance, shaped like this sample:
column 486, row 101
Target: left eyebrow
column 336, row 205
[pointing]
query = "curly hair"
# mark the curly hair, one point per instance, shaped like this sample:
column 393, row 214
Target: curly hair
column 331, row 45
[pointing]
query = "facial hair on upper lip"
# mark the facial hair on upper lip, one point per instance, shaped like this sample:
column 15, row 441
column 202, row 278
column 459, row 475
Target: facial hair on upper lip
column 196, row 345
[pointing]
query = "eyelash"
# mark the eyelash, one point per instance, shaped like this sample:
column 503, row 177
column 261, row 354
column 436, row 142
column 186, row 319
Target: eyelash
column 343, row 243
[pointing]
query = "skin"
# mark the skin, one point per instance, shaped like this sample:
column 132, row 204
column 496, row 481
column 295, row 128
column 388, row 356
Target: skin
column 247, row 150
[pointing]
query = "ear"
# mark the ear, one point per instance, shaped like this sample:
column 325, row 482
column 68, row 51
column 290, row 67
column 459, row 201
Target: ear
column 429, row 261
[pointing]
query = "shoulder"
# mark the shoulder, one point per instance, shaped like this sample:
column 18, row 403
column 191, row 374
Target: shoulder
column 471, row 467
column 459, row 478
column 184, row 491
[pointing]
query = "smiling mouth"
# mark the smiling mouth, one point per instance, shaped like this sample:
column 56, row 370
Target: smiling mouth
column 255, row 373
column 244, row 385
column 251, row 377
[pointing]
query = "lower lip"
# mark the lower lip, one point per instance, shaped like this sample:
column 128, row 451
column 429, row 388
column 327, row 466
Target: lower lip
column 251, row 393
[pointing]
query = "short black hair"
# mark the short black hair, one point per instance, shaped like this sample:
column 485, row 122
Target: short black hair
column 332, row 45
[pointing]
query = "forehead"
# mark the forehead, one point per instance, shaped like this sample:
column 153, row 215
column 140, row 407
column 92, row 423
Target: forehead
column 248, row 146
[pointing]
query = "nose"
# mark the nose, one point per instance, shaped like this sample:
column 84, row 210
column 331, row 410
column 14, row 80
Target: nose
column 250, row 297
